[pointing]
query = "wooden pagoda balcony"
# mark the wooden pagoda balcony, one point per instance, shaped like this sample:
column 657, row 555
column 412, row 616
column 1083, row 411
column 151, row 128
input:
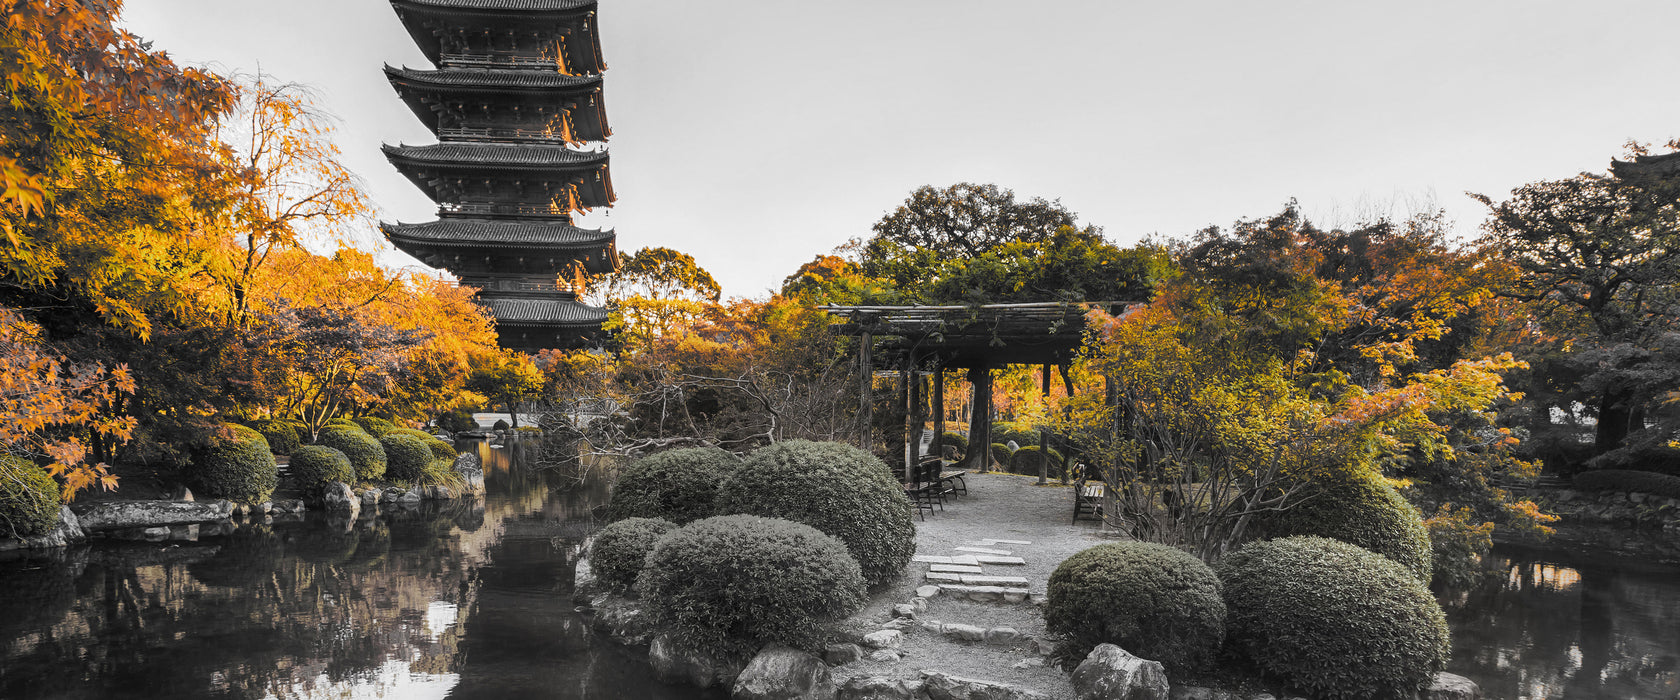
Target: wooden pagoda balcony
column 502, row 209
column 490, row 60
column 490, row 134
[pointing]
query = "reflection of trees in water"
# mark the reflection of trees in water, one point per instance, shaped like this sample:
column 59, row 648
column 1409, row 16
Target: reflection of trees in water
column 1538, row 628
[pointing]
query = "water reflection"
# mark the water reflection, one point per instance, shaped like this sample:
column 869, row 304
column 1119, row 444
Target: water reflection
column 464, row 599
column 1551, row 624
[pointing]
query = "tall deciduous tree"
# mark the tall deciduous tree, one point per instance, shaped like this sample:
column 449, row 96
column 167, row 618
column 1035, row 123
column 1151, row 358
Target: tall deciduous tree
column 508, row 380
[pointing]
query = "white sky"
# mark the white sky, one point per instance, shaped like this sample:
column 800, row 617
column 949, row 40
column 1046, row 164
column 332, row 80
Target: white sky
column 756, row 134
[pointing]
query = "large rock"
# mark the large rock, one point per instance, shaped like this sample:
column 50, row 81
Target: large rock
column 784, row 673
column 1449, row 686
column 1112, row 673
column 1192, row 692
column 65, row 532
column 622, row 619
column 680, row 665
column 116, row 515
column 879, row 688
column 842, row 654
column 941, row 686
column 337, row 497
column 471, row 471
column 884, row 639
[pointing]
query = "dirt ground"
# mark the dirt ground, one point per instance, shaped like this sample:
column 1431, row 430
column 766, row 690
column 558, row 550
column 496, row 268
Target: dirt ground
column 998, row 506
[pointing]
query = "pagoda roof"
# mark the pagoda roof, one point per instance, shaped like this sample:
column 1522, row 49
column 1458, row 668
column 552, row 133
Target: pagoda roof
column 543, row 312
column 528, row 238
column 573, row 18
column 515, row 5
column 497, row 79
column 1661, row 165
column 497, row 156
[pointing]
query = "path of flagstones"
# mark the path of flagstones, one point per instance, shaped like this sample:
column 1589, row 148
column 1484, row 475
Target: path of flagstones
column 970, row 604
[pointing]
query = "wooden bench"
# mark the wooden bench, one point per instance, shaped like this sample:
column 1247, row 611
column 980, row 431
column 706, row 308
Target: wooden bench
column 1088, row 499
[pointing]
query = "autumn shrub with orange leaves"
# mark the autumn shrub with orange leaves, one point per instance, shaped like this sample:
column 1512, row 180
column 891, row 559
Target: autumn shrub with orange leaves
column 52, row 406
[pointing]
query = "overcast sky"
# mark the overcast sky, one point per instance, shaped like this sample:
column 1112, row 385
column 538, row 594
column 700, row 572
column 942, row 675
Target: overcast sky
column 756, row 134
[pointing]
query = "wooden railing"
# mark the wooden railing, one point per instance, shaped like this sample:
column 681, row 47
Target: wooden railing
column 487, row 60
column 462, row 132
column 482, row 208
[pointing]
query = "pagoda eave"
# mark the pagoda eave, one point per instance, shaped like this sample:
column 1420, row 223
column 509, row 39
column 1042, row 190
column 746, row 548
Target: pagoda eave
column 573, row 20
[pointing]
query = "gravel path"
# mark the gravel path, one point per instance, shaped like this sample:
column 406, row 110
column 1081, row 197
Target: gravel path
column 998, row 506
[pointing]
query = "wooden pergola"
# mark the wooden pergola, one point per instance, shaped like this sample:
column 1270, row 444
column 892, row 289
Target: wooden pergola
column 979, row 338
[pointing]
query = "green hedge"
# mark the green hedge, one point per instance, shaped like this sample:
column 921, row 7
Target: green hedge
column 676, row 485
column 1021, row 433
column 1629, row 481
column 1001, row 454
column 619, row 550
column 29, row 501
column 342, row 423
column 439, row 448
column 233, row 463
column 406, row 457
column 374, row 426
column 1150, row 599
column 314, row 466
column 957, row 440
column 1026, row 459
column 281, row 436
column 833, row 487
column 365, row 453
column 1332, row 619
column 1363, row 510
column 734, row 583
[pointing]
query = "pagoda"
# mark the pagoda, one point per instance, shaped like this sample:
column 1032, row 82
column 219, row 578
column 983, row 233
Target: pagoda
column 515, row 102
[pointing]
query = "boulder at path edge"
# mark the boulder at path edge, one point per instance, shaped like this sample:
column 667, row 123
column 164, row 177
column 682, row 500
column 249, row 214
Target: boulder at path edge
column 783, row 673
column 1112, row 673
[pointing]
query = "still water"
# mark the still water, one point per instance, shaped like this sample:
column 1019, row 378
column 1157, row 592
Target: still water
column 472, row 599
column 461, row 599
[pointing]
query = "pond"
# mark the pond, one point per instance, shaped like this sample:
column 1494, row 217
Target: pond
column 450, row 600
column 473, row 600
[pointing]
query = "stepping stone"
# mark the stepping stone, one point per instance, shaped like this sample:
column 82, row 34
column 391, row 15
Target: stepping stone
column 966, row 560
column 993, row 580
column 954, row 569
column 931, row 559
column 983, row 550
column 938, row 576
column 990, row 542
column 1004, row 561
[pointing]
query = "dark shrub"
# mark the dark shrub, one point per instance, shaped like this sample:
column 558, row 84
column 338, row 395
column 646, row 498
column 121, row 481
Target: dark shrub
column 406, row 457
column 1153, row 600
column 836, row 488
column 1364, row 510
column 956, row 440
column 1021, row 433
column 439, row 448
column 619, row 549
column 733, row 583
column 1333, row 619
column 677, row 485
column 1629, row 482
column 281, row 437
column 233, row 463
column 1026, row 459
column 1001, row 454
column 302, row 431
column 365, row 453
column 342, row 423
column 374, row 426
column 457, row 421
column 29, row 501
column 314, row 466
column 500, row 425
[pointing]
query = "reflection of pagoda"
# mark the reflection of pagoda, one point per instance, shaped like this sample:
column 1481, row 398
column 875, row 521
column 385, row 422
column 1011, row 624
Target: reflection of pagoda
column 516, row 93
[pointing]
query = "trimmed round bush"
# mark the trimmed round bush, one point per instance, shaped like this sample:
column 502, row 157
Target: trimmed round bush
column 677, row 485
column 29, row 502
column 314, row 466
column 374, row 426
column 1629, row 481
column 1026, row 459
column 302, row 431
column 281, row 437
column 439, row 448
column 833, row 487
column 957, row 440
column 736, row 582
column 234, row 463
column 365, row 453
column 500, row 425
column 619, row 549
column 1150, row 599
column 1021, row 433
column 1364, row 510
column 406, row 457
column 1001, row 454
column 342, row 423
column 1333, row 619
column 457, row 421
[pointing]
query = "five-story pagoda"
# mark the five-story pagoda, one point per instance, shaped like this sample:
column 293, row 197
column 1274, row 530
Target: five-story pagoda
column 515, row 101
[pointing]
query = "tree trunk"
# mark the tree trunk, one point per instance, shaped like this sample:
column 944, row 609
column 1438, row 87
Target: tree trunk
column 1615, row 414
column 979, row 457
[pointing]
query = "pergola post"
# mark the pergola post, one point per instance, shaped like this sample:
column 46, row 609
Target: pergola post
column 866, row 393
column 913, row 413
column 938, row 408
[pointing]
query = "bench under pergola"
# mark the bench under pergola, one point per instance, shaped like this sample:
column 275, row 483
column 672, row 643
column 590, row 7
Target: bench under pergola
column 912, row 340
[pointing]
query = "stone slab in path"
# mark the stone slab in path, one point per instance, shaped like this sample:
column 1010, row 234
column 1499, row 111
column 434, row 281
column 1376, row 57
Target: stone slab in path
column 938, row 576
column 955, row 569
column 983, row 550
column 993, row 580
column 995, row 559
column 931, row 559
column 990, row 542
column 965, row 560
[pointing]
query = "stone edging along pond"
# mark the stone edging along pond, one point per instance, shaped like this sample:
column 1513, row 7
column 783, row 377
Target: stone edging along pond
column 157, row 520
